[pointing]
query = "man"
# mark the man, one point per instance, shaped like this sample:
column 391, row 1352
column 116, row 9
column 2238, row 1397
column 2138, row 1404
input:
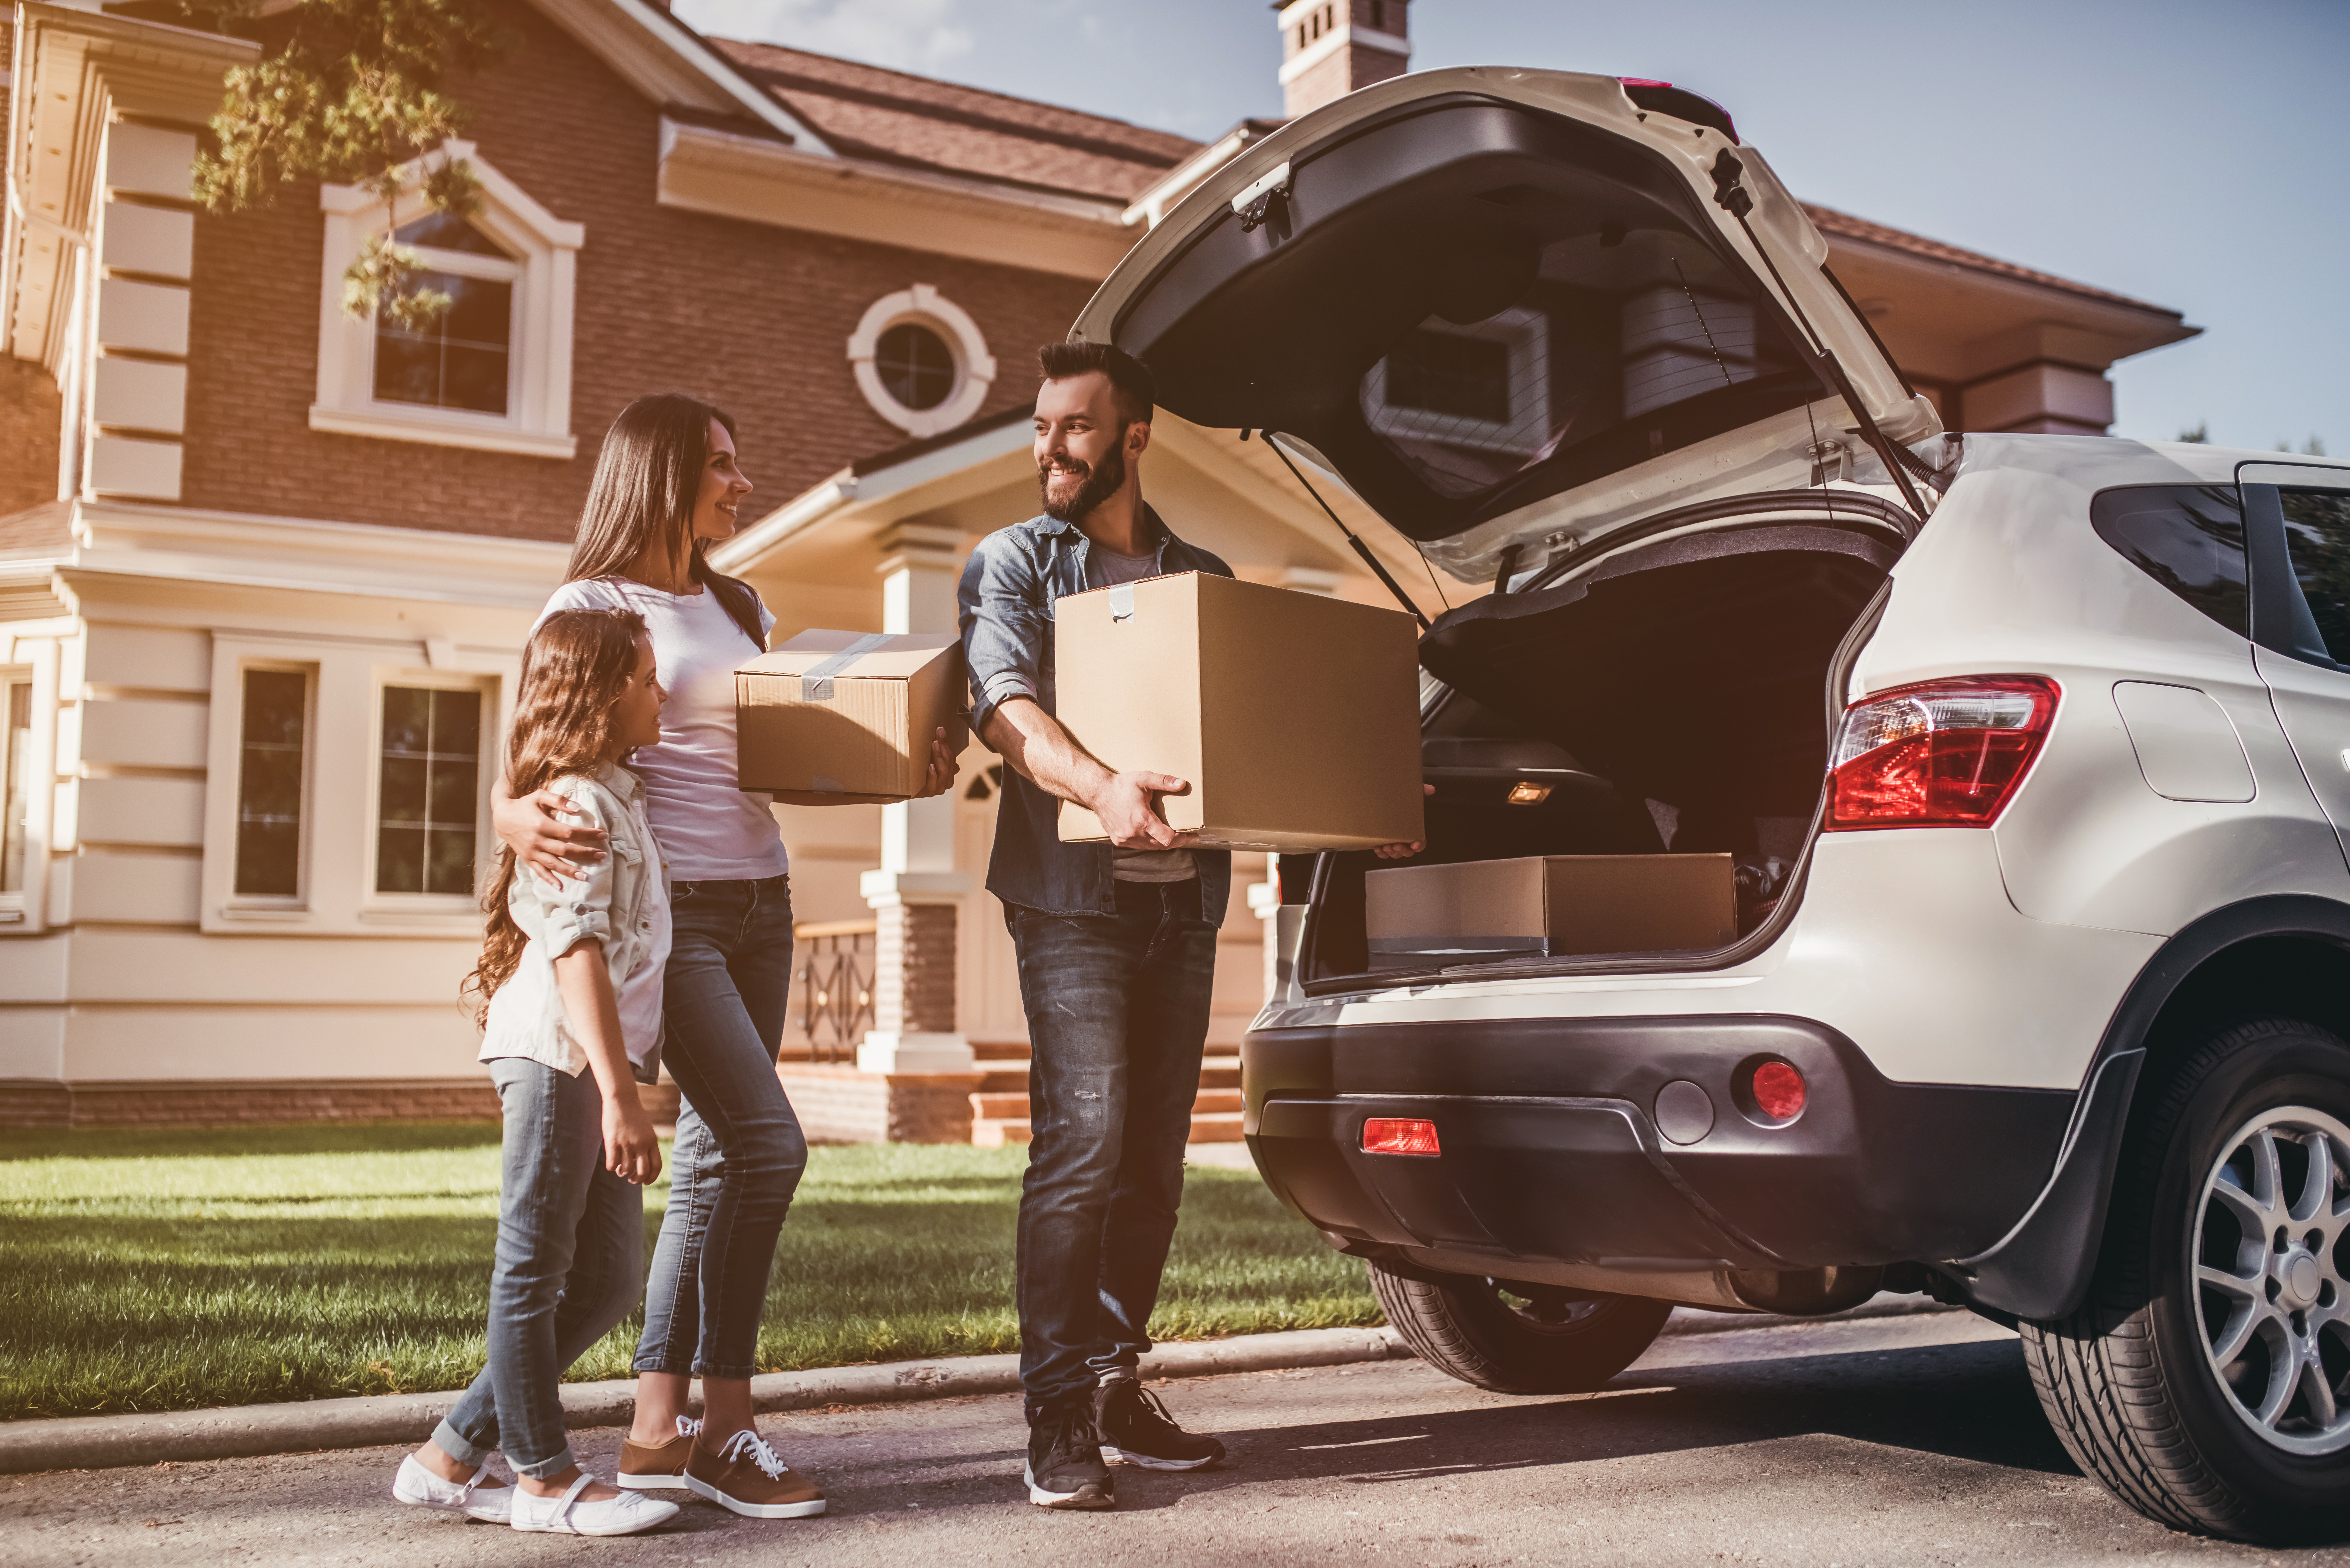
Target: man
column 1116, row 942
column 1117, row 945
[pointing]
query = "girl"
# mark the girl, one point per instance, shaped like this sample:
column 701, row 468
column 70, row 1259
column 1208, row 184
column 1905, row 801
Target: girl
column 666, row 486
column 569, row 980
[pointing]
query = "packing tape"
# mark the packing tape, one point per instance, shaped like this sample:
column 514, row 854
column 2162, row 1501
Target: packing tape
column 816, row 686
column 1121, row 602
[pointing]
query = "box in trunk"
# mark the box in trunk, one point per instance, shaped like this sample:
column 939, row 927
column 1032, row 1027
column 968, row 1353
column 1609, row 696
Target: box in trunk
column 1295, row 717
column 834, row 716
column 1551, row 906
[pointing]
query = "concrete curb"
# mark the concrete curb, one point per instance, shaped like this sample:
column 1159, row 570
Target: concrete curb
column 104, row 1442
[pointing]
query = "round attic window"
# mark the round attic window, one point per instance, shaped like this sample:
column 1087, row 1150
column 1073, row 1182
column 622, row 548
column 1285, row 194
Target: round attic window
column 920, row 361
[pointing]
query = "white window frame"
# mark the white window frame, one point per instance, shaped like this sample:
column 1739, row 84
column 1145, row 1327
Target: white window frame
column 1528, row 343
column 374, row 905
column 923, row 306
column 267, row 906
column 24, row 911
column 542, row 262
column 343, row 771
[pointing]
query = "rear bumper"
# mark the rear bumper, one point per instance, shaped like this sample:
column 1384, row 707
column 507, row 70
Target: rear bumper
column 1553, row 1156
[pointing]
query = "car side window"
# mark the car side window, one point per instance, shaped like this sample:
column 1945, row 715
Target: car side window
column 2317, row 539
column 2188, row 538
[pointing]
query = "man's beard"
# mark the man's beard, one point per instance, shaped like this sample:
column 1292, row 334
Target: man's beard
column 1101, row 481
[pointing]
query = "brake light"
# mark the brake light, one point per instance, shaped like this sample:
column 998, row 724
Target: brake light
column 1779, row 1091
column 1393, row 1134
column 1941, row 754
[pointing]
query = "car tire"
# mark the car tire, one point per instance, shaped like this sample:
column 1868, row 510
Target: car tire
column 2201, row 1381
column 1517, row 1338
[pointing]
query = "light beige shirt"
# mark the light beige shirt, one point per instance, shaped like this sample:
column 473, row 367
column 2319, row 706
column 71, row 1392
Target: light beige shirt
column 623, row 903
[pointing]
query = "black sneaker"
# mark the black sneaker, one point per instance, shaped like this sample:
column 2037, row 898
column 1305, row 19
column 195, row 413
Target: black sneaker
column 1134, row 1426
column 1065, row 1462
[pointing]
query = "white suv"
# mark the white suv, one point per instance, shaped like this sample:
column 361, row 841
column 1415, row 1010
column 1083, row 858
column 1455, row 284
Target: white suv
column 2033, row 752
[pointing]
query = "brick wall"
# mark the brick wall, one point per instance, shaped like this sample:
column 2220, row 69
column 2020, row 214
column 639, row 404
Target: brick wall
column 236, row 1102
column 754, row 318
column 31, row 413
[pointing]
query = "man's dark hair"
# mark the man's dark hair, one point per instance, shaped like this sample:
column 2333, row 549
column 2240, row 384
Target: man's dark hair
column 1129, row 377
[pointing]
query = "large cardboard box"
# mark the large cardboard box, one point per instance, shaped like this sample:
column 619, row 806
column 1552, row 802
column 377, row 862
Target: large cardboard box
column 1295, row 717
column 834, row 716
column 1548, row 906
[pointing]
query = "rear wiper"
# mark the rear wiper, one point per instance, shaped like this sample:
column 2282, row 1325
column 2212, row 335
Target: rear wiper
column 1360, row 549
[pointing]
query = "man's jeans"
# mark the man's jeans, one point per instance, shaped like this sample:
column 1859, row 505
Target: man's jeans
column 739, row 1152
column 1118, row 1016
column 571, row 1243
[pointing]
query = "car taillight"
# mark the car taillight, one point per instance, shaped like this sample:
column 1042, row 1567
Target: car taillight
column 1778, row 1090
column 1941, row 753
column 1393, row 1134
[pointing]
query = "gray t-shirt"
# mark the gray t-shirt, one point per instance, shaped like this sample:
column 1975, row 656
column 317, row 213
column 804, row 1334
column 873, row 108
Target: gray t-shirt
column 1106, row 569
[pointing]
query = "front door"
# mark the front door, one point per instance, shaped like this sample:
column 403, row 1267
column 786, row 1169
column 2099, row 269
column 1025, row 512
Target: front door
column 2297, row 523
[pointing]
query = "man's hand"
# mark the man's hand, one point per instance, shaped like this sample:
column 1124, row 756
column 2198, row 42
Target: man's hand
column 534, row 829
column 942, row 773
column 1128, row 806
column 1405, row 851
column 631, row 1148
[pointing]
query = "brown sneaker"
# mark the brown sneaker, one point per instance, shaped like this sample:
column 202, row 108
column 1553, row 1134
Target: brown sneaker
column 656, row 1467
column 752, row 1478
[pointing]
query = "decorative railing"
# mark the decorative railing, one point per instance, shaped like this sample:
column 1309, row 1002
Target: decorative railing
column 832, row 1001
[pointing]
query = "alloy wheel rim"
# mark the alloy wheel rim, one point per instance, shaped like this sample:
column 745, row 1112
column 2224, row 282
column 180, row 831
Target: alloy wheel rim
column 2266, row 1250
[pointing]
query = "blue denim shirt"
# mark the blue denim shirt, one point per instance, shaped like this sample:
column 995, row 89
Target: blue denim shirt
column 1005, row 608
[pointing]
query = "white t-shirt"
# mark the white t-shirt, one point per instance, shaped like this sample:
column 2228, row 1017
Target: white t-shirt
column 709, row 831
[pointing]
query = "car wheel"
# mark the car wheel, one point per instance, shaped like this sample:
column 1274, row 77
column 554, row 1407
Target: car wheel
column 1514, row 1337
column 2206, row 1380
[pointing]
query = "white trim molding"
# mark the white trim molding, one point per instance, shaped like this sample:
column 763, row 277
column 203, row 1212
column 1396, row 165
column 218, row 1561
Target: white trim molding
column 540, row 259
column 922, row 305
column 1344, row 35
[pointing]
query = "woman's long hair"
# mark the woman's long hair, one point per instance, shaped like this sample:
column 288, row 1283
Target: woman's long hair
column 648, row 477
column 576, row 667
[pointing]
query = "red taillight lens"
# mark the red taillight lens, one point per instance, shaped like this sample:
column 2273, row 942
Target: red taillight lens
column 1942, row 753
column 1778, row 1091
column 1392, row 1135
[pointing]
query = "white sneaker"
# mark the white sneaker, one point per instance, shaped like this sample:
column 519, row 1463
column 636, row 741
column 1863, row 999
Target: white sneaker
column 479, row 1498
column 567, row 1515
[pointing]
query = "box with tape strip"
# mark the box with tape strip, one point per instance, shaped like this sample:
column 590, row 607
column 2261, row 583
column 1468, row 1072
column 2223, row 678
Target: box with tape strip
column 1294, row 716
column 838, row 716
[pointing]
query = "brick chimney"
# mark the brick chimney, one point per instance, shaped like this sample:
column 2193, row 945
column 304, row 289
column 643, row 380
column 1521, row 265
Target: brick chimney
column 1330, row 48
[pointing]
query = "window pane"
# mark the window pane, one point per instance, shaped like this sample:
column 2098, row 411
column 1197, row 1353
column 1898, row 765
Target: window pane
column 2317, row 535
column 915, row 365
column 461, row 360
column 2188, row 538
column 269, row 783
column 15, row 781
column 1444, row 373
column 429, row 790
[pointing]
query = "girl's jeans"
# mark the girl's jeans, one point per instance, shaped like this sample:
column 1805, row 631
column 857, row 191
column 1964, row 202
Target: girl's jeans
column 571, row 1243
column 739, row 1152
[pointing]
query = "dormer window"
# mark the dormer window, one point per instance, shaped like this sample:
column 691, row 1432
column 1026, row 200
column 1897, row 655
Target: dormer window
column 494, row 369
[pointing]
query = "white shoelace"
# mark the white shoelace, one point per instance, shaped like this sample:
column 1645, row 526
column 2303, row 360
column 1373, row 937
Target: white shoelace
column 748, row 1442
column 687, row 1426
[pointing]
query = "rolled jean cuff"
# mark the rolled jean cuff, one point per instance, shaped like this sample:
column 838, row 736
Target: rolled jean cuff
column 459, row 1446
column 704, row 1369
column 545, row 1470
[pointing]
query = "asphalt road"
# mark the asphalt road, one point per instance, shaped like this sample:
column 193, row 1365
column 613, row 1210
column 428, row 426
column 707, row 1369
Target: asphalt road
column 1905, row 1440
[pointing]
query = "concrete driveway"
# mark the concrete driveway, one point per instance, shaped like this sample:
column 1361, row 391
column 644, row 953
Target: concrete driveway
column 1900, row 1440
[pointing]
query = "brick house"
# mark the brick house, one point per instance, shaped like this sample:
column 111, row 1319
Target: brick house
column 264, row 570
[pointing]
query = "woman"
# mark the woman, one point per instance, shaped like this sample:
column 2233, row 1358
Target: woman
column 668, row 484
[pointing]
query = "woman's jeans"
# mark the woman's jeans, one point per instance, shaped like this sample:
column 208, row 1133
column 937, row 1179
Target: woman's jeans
column 1117, row 1018
column 571, row 1241
column 739, row 1152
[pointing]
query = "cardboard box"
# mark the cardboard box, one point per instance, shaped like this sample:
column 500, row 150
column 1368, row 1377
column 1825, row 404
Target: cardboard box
column 1548, row 906
column 834, row 716
column 1295, row 717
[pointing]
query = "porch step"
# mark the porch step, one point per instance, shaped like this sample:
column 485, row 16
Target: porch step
column 1207, row 1126
column 1004, row 1078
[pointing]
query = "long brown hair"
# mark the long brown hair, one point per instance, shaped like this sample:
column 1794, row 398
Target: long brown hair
column 577, row 665
column 648, row 477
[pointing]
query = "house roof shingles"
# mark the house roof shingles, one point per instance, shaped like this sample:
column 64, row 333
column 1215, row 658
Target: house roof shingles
column 1844, row 225
column 890, row 117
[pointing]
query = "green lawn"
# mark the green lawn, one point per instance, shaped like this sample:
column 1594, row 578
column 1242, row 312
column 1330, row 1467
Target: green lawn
column 159, row 1271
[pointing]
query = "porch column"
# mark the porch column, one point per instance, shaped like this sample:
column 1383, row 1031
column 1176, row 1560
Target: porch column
column 917, row 895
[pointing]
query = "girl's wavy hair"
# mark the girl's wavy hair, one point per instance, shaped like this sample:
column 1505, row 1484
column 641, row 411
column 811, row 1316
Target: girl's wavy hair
column 576, row 666
column 648, row 477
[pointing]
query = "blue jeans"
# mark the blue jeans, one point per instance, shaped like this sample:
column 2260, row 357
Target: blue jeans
column 571, row 1241
column 1117, row 1018
column 739, row 1152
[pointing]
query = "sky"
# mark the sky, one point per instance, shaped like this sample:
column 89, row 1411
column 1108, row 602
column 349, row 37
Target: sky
column 2188, row 155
